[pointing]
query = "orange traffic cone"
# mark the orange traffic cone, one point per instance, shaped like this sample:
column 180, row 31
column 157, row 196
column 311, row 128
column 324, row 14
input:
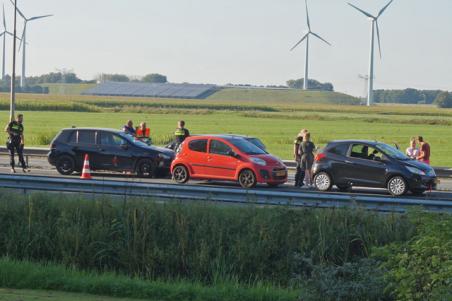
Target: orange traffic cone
column 86, row 172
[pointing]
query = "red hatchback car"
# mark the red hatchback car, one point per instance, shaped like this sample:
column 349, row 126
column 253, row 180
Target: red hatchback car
column 230, row 158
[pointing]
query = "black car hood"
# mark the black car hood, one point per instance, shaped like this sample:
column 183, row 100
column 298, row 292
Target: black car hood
column 161, row 150
column 418, row 165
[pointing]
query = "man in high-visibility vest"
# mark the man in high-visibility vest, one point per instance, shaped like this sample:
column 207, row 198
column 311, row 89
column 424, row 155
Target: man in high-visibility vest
column 16, row 142
column 180, row 134
column 143, row 133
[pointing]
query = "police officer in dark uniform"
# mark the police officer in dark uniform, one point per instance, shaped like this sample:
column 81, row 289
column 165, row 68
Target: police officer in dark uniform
column 15, row 143
column 180, row 134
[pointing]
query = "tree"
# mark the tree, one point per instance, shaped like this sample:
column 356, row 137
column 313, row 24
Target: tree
column 114, row 78
column 313, row 85
column 444, row 100
column 155, row 78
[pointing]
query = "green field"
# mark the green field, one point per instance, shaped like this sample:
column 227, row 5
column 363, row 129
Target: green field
column 33, row 295
column 275, row 121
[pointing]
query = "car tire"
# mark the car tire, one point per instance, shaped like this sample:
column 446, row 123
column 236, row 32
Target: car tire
column 344, row 188
column 180, row 174
column 65, row 165
column 247, row 179
column 418, row 192
column 146, row 169
column 323, row 181
column 397, row 186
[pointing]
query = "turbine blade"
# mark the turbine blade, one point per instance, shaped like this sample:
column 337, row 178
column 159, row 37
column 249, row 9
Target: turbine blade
column 307, row 15
column 23, row 36
column 4, row 19
column 384, row 8
column 39, row 17
column 3, row 33
column 299, row 42
column 362, row 11
column 378, row 37
column 12, row 35
column 319, row 37
column 18, row 10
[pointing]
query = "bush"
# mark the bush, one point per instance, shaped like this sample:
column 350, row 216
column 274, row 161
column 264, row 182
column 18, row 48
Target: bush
column 444, row 100
column 421, row 269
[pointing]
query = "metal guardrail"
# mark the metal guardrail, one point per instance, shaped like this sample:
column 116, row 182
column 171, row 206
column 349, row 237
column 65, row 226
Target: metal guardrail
column 442, row 172
column 218, row 194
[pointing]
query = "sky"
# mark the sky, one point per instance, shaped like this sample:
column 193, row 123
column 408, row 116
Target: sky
column 240, row 41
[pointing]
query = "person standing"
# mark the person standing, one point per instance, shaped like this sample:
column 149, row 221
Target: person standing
column 16, row 142
column 306, row 151
column 424, row 151
column 412, row 151
column 129, row 129
column 180, row 134
column 299, row 174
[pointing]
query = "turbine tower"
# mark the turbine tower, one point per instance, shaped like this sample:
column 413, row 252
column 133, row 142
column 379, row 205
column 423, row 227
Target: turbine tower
column 374, row 26
column 306, row 37
column 3, row 34
column 23, row 42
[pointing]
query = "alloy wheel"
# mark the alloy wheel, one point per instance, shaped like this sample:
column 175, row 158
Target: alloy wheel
column 322, row 181
column 247, row 179
column 397, row 186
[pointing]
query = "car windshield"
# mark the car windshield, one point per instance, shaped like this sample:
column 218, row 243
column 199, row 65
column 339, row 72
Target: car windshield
column 246, row 147
column 132, row 140
column 392, row 152
column 256, row 142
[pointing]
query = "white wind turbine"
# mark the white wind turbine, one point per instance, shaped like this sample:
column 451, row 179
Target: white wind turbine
column 3, row 34
column 374, row 26
column 306, row 37
column 23, row 42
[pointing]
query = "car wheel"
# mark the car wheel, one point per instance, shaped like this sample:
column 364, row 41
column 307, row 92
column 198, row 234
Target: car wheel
column 247, row 179
column 146, row 168
column 397, row 186
column 344, row 188
column 180, row 174
column 65, row 165
column 418, row 192
column 323, row 181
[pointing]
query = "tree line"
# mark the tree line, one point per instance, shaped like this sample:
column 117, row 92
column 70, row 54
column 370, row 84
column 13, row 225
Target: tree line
column 414, row 96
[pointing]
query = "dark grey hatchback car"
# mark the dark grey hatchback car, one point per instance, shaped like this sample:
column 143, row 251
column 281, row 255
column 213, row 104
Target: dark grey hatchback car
column 109, row 150
column 364, row 163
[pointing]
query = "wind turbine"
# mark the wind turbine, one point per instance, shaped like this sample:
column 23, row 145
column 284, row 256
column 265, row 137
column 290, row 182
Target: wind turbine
column 23, row 42
column 306, row 37
column 374, row 26
column 3, row 34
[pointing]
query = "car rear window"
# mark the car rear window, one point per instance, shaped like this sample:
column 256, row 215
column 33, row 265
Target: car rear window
column 199, row 145
column 340, row 150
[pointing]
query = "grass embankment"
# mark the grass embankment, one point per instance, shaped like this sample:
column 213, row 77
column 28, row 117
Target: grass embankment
column 275, row 122
column 27, row 275
column 188, row 251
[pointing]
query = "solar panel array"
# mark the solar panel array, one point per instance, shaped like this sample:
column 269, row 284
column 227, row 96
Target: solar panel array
column 196, row 91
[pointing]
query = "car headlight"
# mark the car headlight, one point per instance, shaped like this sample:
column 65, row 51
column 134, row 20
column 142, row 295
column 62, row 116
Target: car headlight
column 164, row 157
column 415, row 170
column 259, row 161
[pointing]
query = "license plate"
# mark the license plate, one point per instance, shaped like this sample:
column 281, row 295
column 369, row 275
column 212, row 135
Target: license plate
column 281, row 173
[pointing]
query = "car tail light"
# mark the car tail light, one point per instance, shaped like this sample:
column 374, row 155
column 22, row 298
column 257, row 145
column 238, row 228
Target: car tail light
column 320, row 157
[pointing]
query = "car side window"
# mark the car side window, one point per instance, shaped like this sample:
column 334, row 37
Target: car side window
column 362, row 151
column 73, row 137
column 111, row 139
column 86, row 137
column 340, row 150
column 199, row 145
column 219, row 148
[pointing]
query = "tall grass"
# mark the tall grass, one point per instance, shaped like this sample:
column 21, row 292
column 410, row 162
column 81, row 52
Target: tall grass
column 27, row 275
column 199, row 242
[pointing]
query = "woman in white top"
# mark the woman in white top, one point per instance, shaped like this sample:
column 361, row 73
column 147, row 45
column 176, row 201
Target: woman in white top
column 412, row 151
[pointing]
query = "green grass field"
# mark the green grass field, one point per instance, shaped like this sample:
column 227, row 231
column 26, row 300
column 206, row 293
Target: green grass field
column 274, row 118
column 35, row 295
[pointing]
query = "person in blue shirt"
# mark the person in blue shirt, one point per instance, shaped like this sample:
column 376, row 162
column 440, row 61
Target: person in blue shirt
column 129, row 129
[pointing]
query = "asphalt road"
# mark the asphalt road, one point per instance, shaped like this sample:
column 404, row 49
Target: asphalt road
column 40, row 167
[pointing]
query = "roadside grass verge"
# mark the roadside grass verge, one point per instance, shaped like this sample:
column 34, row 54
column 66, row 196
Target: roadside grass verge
column 27, row 275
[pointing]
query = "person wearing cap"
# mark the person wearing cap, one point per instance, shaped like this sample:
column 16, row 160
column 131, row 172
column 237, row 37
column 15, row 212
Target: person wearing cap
column 300, row 173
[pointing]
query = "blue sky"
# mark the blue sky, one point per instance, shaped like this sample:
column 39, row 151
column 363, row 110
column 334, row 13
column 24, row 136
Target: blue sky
column 241, row 41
